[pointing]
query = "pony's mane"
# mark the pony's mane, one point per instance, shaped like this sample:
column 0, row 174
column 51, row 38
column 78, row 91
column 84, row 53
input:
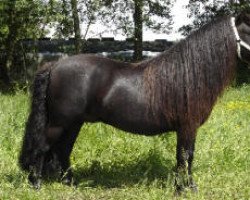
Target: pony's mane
column 187, row 79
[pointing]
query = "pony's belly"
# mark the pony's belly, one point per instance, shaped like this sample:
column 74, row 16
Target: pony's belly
column 141, row 128
column 134, row 118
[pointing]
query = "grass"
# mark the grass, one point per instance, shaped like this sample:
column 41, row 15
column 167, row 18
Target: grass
column 111, row 164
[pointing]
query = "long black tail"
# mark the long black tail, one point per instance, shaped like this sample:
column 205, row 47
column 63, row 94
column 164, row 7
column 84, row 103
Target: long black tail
column 34, row 141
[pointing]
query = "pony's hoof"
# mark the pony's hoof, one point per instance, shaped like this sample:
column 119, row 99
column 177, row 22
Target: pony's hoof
column 66, row 181
column 179, row 190
column 69, row 181
column 37, row 185
column 194, row 188
column 35, row 182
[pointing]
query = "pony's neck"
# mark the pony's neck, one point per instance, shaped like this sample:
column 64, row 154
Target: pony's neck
column 189, row 77
column 208, row 56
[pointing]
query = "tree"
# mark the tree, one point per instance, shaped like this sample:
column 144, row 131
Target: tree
column 19, row 19
column 22, row 19
column 138, row 23
column 77, row 30
column 203, row 11
column 63, row 23
column 82, row 12
column 91, row 11
column 131, row 16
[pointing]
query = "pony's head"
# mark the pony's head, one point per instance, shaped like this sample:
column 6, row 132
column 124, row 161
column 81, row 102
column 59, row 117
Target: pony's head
column 242, row 23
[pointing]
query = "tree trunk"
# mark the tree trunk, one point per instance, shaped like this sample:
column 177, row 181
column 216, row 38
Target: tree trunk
column 78, row 44
column 9, row 43
column 8, row 60
column 4, row 73
column 138, row 30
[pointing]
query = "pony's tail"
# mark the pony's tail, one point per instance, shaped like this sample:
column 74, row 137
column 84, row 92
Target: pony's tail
column 34, row 141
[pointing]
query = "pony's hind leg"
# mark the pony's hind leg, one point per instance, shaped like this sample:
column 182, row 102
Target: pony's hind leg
column 43, row 155
column 52, row 165
column 63, row 149
column 36, row 166
column 184, row 156
column 35, row 175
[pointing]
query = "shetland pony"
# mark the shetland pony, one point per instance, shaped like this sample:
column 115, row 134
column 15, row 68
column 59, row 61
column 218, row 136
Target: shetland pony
column 174, row 91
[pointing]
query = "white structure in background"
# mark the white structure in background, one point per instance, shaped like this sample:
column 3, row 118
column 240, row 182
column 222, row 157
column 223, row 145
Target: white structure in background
column 128, row 53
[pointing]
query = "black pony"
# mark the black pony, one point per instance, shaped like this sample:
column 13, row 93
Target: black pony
column 174, row 91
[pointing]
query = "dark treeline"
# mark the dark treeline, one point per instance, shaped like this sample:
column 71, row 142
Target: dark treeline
column 92, row 45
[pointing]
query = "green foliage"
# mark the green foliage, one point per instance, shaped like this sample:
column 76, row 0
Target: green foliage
column 63, row 21
column 156, row 15
column 130, row 17
column 26, row 18
column 203, row 11
column 88, row 10
column 111, row 164
column 21, row 19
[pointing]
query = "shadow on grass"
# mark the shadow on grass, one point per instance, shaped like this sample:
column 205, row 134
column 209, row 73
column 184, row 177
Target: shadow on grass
column 15, row 178
column 151, row 168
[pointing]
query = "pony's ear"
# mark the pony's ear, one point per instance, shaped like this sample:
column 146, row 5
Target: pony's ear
column 243, row 17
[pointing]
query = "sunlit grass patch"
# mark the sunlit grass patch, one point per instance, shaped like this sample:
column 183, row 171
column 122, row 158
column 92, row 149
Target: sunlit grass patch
column 235, row 105
column 111, row 164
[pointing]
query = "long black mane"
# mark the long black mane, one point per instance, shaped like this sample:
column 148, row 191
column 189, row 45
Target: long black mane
column 187, row 78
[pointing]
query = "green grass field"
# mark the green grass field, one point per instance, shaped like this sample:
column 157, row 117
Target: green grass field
column 111, row 164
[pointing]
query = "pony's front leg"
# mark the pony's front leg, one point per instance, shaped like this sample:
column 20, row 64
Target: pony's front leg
column 35, row 175
column 184, row 156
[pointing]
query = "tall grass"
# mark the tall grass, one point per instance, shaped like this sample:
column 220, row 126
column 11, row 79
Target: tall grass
column 111, row 164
